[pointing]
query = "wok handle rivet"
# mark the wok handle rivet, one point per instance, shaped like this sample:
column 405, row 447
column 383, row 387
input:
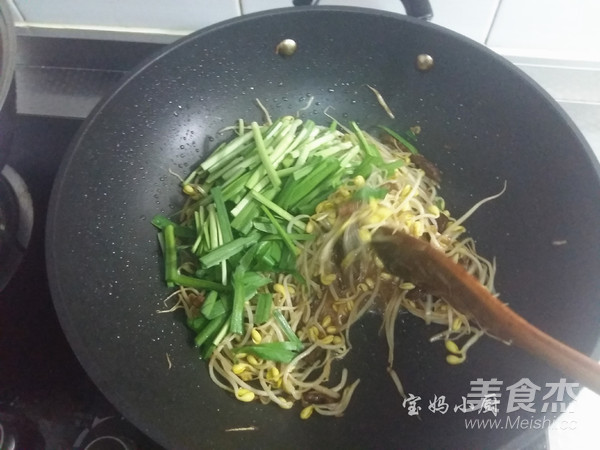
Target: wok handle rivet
column 287, row 47
column 424, row 62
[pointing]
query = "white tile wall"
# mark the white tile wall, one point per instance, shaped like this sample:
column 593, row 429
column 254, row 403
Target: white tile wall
column 557, row 29
column 473, row 18
column 16, row 14
column 251, row 6
column 171, row 16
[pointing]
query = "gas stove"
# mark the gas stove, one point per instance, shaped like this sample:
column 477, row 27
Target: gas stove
column 46, row 399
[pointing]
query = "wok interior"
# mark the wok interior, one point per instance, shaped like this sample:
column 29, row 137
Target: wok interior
column 482, row 124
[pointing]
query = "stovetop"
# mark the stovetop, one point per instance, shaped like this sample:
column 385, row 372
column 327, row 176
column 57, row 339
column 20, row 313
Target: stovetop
column 46, row 399
column 44, row 392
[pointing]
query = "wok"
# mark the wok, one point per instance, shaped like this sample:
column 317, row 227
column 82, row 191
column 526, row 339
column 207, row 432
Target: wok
column 483, row 123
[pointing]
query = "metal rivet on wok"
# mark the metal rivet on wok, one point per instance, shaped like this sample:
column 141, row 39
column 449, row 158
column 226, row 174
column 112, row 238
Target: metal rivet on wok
column 424, row 62
column 287, row 47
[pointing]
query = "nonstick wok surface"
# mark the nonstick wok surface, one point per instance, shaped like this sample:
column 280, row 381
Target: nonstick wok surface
column 483, row 123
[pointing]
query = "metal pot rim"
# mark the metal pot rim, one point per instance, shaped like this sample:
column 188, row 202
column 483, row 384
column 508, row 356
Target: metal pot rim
column 8, row 50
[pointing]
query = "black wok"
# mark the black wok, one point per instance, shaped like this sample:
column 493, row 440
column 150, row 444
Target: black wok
column 483, row 123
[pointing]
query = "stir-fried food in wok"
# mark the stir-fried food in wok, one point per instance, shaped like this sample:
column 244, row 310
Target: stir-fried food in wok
column 271, row 260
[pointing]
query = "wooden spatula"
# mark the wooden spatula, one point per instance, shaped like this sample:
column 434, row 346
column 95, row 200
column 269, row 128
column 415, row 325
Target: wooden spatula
column 416, row 261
